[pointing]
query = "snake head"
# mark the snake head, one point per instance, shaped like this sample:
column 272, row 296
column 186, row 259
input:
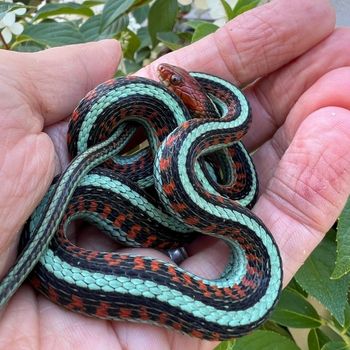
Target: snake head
column 179, row 81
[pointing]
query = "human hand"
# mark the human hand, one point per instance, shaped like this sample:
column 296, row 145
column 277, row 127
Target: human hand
column 304, row 177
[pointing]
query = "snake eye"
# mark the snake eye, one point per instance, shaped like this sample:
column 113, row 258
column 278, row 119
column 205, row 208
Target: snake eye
column 175, row 79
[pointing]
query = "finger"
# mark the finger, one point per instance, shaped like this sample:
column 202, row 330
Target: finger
column 310, row 186
column 257, row 42
column 273, row 97
column 60, row 77
column 331, row 90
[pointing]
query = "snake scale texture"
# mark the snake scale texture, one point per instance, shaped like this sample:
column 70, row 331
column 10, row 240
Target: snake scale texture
column 193, row 178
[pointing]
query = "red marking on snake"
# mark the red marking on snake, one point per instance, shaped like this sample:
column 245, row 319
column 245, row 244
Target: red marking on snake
column 196, row 333
column 192, row 221
column 143, row 313
column 251, row 270
column 93, row 206
column 239, row 291
column 150, row 240
column 170, row 139
column 169, row 188
column 163, row 318
column 164, row 164
column 111, row 259
column 217, row 291
column 76, row 303
column 102, row 309
column 177, row 325
column 155, row 265
column 106, row 211
column 134, row 231
column 52, row 294
column 139, row 264
column 35, row 282
column 118, row 222
column 248, row 283
column 187, row 279
column 92, row 255
column 75, row 116
column 124, row 313
column 179, row 207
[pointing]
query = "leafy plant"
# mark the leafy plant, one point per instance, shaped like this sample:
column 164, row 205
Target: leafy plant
column 148, row 29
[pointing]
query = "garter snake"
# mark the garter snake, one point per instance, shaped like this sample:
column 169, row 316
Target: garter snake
column 195, row 177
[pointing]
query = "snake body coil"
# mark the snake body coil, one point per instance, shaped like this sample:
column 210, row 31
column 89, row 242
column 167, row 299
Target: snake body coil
column 198, row 196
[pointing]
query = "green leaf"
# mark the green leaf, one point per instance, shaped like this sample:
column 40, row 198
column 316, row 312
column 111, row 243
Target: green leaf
column 293, row 310
column 203, row 30
column 130, row 43
column 293, row 284
column 141, row 13
column 274, row 327
column 143, row 35
column 316, row 339
column 91, row 29
column 6, row 6
column 53, row 34
column 243, row 6
column 264, row 340
column 142, row 54
column 113, row 10
column 195, row 23
column 92, row 3
column 161, row 18
column 336, row 345
column 68, row 8
column 26, row 46
column 226, row 345
column 228, row 10
column 342, row 264
column 170, row 39
column 314, row 277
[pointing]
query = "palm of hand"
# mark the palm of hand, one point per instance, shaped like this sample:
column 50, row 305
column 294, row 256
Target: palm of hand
column 305, row 178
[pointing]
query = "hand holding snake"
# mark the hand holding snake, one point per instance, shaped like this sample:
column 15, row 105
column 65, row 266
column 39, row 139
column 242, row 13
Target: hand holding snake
column 295, row 232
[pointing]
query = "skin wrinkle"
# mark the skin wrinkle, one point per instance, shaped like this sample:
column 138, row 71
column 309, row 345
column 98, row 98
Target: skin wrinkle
column 196, row 61
column 237, row 62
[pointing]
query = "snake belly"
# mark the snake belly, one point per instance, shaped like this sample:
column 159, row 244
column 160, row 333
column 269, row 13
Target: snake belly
column 119, row 197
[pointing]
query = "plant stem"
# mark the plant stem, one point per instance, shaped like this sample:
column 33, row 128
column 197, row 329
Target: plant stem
column 339, row 331
column 6, row 46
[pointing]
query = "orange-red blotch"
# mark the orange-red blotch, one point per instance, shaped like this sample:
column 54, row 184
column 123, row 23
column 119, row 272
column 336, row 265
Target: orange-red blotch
column 169, row 188
column 192, row 220
column 163, row 318
column 92, row 255
column 118, row 222
column 179, row 207
column 106, row 211
column 139, row 263
column 102, row 309
column 124, row 313
column 155, row 265
column 76, row 303
column 53, row 295
column 197, row 334
column 143, row 313
column 134, row 231
column 164, row 164
column 111, row 260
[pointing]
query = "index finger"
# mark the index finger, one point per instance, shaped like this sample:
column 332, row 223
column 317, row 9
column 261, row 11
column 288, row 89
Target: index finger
column 257, row 42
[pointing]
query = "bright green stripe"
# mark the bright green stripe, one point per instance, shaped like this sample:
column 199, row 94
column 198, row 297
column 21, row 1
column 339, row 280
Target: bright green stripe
column 130, row 91
column 146, row 288
column 266, row 302
column 105, row 226
column 136, row 199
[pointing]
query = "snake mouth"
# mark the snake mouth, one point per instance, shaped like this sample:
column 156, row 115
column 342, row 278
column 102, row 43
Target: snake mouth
column 163, row 80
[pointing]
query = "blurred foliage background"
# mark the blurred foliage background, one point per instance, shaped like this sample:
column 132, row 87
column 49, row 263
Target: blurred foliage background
column 314, row 311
